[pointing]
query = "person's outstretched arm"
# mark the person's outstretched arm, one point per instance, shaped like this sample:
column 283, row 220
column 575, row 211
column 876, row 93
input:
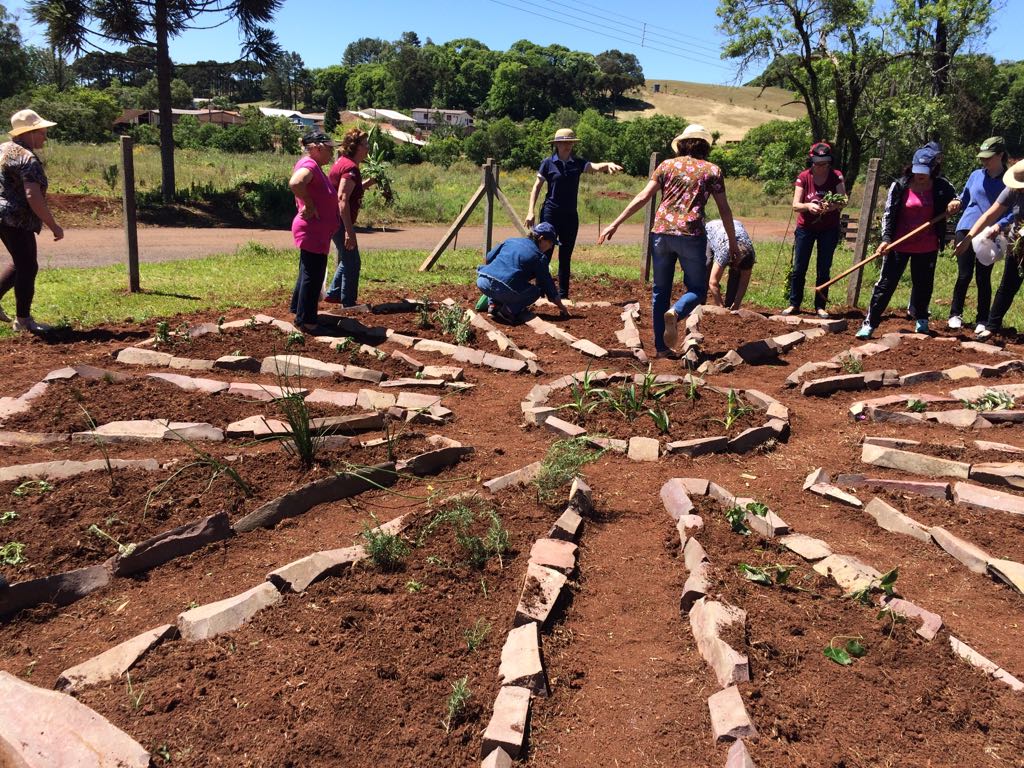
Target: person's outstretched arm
column 635, row 205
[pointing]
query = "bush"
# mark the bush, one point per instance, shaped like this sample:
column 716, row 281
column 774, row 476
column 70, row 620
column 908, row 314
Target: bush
column 81, row 114
column 144, row 133
column 443, row 151
column 408, row 154
column 642, row 136
column 773, row 153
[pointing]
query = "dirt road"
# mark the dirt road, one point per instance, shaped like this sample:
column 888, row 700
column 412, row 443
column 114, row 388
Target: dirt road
column 94, row 247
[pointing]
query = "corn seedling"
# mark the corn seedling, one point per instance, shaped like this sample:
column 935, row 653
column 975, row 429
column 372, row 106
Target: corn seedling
column 457, row 702
column 661, row 419
column 134, row 698
column 917, row 406
column 302, row 441
column 734, row 409
column 991, row 400
column 412, row 586
column 692, row 390
column 12, row 553
column 102, row 446
column 845, row 653
column 562, row 463
column 8, row 517
column 122, row 549
column 476, row 634
column 851, row 364
column 294, row 339
column 386, row 550
column 376, row 168
column 33, row 488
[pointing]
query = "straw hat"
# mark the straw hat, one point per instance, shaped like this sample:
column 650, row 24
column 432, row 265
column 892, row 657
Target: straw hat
column 1014, row 176
column 692, row 131
column 27, row 120
column 565, row 134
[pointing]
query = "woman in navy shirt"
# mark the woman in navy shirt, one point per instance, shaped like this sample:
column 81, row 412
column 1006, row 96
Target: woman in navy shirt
column 562, row 173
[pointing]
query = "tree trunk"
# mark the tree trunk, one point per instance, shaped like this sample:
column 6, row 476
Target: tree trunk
column 163, row 89
column 940, row 59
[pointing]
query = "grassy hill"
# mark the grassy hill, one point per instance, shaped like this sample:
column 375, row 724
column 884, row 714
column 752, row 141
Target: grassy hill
column 732, row 110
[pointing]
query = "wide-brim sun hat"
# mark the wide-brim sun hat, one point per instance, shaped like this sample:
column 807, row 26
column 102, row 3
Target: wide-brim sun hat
column 692, row 131
column 28, row 120
column 564, row 134
column 1014, row 176
column 988, row 250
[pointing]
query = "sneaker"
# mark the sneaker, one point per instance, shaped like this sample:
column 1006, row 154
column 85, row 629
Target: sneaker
column 503, row 314
column 791, row 310
column 671, row 328
column 332, row 299
column 955, row 322
column 482, row 303
column 921, row 326
column 983, row 333
column 865, row 331
column 30, row 325
column 979, row 328
column 668, row 354
column 823, row 314
column 4, row 318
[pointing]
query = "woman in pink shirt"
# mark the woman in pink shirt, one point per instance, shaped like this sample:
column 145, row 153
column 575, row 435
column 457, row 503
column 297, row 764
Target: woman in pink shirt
column 314, row 224
column 914, row 199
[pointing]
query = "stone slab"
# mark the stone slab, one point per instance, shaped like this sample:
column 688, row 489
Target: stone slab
column 751, row 438
column 1008, row 474
column 729, row 718
column 1009, row 572
column 915, row 463
column 506, row 729
column 61, row 470
column 542, row 588
column 555, row 554
column 112, row 663
column 848, row 572
column 891, row 519
column 987, row 666
column 697, row 585
column 59, row 589
column 520, row 476
column 699, row 446
column 521, row 662
column 832, row 384
column 988, row 498
column 675, row 496
column 831, row 492
column 172, row 544
column 738, row 756
column 974, row 557
column 227, row 615
column 567, row 527
column 931, row 623
column 563, row 427
column 148, row 357
column 806, row 547
column 707, row 620
column 297, row 575
column 643, row 449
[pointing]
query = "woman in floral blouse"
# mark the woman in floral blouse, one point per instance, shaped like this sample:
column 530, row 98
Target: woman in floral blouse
column 23, row 211
column 686, row 182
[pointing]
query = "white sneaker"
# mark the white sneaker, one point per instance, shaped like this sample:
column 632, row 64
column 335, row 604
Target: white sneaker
column 955, row 322
column 823, row 314
column 671, row 323
column 30, row 325
column 980, row 329
column 984, row 334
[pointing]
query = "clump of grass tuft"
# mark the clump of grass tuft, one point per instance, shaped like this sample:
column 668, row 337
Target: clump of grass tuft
column 476, row 634
column 302, row 442
column 562, row 463
column 457, row 703
column 464, row 519
column 387, row 550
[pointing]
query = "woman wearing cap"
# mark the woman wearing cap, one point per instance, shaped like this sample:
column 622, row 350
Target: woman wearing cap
column 991, row 223
column 562, row 173
column 814, row 200
column 686, row 182
column 915, row 199
column 23, row 211
column 981, row 190
column 720, row 260
column 314, row 224
column 347, row 179
column 516, row 272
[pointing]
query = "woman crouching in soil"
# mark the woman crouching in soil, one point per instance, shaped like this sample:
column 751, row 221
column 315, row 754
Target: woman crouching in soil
column 719, row 259
column 517, row 272
column 686, row 182
column 23, row 211
column 314, row 224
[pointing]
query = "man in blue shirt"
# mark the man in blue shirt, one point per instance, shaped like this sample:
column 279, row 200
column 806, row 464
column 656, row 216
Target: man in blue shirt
column 516, row 272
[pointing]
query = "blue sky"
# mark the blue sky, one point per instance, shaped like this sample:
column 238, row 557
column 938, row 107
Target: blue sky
column 673, row 40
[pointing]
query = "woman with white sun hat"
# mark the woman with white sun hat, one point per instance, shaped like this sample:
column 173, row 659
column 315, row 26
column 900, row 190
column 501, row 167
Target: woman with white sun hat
column 561, row 171
column 991, row 224
column 23, row 211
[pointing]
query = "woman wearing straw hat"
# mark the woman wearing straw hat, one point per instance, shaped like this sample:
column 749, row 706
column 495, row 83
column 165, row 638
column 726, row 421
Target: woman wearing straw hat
column 991, row 223
column 686, row 182
column 983, row 187
column 23, row 211
column 562, row 173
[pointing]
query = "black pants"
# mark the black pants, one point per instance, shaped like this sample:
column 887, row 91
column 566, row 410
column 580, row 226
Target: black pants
column 21, row 273
column 567, row 225
column 306, row 296
column 922, row 279
column 1013, row 276
column 966, row 267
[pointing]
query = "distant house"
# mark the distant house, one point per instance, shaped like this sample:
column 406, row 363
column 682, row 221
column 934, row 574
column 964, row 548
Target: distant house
column 428, row 117
column 397, row 119
column 152, row 116
column 311, row 120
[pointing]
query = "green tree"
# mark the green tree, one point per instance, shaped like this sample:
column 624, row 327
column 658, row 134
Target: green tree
column 642, row 136
column 371, row 86
column 181, row 95
column 464, row 71
column 330, row 82
column 81, row 114
column 411, row 70
column 366, row 50
column 330, row 115
column 15, row 74
column 71, row 26
column 619, row 73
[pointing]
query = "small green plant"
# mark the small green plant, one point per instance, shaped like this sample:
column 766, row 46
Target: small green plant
column 692, row 389
column 412, row 586
column 216, row 467
column 33, row 488
column 476, row 634
column 773, row 575
column 736, row 516
column 134, row 697
column 560, row 465
column 851, row 364
column 423, row 314
column 893, row 618
column 845, row 653
column 735, row 409
column 8, row 517
column 220, row 324
column 101, row 445
column 122, row 549
column 163, row 332
column 457, row 703
column 375, row 167
column 345, row 344
column 888, row 582
column 917, row 406
column 991, row 400
column 757, row 508
column 110, row 176
column 302, row 441
column 12, row 553
column 295, row 339
column 164, row 753
column 253, row 323
column 460, row 516
column 454, row 322
column 661, row 419
column 387, row 550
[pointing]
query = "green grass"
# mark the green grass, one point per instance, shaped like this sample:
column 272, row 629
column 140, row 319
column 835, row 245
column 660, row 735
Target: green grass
column 257, row 276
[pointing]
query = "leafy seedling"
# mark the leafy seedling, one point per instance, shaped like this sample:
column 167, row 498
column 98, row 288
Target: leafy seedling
column 12, row 553
column 773, row 575
column 457, row 702
column 846, row 653
column 476, row 634
column 851, row 364
column 412, row 586
column 122, row 549
column 295, row 339
column 893, row 618
column 757, row 508
column 888, row 581
column 8, row 517
column 991, row 400
column 33, row 488
column 917, row 406
column 163, row 333
column 736, row 517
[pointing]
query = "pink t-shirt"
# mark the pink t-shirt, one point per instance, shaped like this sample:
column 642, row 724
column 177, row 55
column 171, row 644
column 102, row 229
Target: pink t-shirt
column 812, row 193
column 314, row 235
column 917, row 210
column 686, row 183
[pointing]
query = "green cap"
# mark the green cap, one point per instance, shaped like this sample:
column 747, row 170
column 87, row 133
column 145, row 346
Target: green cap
column 993, row 145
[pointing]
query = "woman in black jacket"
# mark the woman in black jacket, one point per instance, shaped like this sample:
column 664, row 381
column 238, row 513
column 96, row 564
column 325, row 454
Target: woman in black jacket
column 917, row 197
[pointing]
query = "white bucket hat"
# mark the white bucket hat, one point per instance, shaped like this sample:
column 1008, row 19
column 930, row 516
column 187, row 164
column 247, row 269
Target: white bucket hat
column 1014, row 176
column 692, row 131
column 988, row 250
column 27, row 120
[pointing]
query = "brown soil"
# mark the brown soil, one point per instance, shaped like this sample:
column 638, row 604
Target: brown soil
column 958, row 450
column 725, row 332
column 259, row 341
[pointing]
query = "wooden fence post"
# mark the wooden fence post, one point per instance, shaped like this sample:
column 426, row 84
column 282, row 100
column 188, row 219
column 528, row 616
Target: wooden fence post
column 128, row 203
column 869, row 198
column 488, row 182
column 649, row 211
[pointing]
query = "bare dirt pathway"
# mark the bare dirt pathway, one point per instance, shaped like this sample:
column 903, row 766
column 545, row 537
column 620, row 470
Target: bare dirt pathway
column 102, row 246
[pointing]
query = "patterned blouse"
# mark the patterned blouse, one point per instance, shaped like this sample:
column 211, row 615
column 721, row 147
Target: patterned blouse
column 19, row 166
column 686, row 183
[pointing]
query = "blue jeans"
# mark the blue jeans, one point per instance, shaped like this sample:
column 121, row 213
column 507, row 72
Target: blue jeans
column 500, row 293
column 803, row 245
column 690, row 252
column 345, row 284
column 306, row 296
